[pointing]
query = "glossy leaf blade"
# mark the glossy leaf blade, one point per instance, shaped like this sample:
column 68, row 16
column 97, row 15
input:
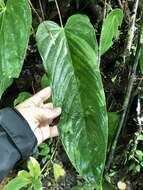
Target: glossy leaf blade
column 4, row 84
column 15, row 25
column 110, row 29
column 113, row 121
column 70, row 58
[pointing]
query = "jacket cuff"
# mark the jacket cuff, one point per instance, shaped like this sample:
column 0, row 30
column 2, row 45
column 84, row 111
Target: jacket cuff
column 18, row 130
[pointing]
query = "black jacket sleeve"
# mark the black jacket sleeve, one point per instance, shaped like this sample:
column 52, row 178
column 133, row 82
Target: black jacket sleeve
column 17, row 141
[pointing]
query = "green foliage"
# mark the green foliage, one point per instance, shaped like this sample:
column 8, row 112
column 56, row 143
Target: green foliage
column 110, row 29
column 4, row 84
column 2, row 6
column 107, row 186
column 26, row 179
column 58, row 171
column 17, row 183
column 135, row 153
column 15, row 25
column 21, row 97
column 84, row 186
column 34, row 168
column 44, row 150
column 113, row 120
column 69, row 57
column 45, row 81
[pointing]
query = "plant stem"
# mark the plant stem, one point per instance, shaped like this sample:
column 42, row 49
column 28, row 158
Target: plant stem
column 126, row 105
column 139, row 120
column 34, row 10
column 51, row 158
column 105, row 2
column 132, row 28
column 59, row 13
column 120, row 4
column 40, row 4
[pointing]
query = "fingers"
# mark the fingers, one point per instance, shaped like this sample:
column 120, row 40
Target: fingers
column 44, row 133
column 53, row 113
column 48, row 105
column 53, row 131
column 47, row 114
column 49, row 132
column 41, row 96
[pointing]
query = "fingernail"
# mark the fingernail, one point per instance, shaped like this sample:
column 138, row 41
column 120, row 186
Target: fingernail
column 59, row 109
column 49, row 88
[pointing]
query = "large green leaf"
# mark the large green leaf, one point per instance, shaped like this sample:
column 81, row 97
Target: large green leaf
column 70, row 58
column 45, row 81
column 4, row 84
column 113, row 121
column 110, row 29
column 15, row 25
column 2, row 6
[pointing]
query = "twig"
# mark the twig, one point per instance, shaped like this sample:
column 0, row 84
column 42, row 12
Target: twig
column 132, row 28
column 77, row 4
column 40, row 20
column 33, row 89
column 51, row 158
column 105, row 2
column 120, row 4
column 34, row 10
column 139, row 120
column 126, row 106
column 59, row 13
column 41, row 8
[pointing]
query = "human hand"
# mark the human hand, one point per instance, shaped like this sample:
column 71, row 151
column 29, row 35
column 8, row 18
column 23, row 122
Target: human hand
column 39, row 115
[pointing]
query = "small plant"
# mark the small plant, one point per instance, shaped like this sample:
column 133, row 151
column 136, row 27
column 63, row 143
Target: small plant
column 29, row 179
column 44, row 151
column 135, row 153
column 58, row 171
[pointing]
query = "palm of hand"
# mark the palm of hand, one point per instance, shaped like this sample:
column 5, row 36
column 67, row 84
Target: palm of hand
column 39, row 115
